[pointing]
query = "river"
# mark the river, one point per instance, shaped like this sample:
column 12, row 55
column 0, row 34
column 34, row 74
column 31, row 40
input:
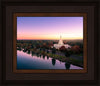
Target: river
column 32, row 61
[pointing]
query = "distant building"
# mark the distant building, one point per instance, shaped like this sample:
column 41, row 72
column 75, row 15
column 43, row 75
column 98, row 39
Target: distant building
column 60, row 43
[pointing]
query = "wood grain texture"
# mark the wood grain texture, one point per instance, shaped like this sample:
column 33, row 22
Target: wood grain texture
column 8, row 78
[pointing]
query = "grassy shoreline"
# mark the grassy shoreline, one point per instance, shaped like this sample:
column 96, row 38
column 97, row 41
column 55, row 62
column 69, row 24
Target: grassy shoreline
column 59, row 57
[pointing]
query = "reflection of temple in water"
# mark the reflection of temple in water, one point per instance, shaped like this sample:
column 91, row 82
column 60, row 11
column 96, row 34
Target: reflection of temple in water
column 60, row 44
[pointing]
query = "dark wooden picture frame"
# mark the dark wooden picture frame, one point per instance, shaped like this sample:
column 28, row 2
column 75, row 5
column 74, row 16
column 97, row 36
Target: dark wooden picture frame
column 84, row 15
column 9, row 77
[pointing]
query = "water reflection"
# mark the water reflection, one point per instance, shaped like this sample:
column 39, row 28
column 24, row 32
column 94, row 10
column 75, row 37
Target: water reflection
column 43, row 56
column 40, row 55
column 33, row 53
column 53, row 62
column 67, row 65
column 47, row 57
column 37, row 54
column 28, row 51
column 31, row 60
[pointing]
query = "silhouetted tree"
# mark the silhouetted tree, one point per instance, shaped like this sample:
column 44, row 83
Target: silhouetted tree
column 53, row 50
column 43, row 56
column 53, row 62
column 67, row 65
column 62, row 48
column 47, row 57
column 47, row 51
column 32, row 53
column 67, row 53
column 76, row 49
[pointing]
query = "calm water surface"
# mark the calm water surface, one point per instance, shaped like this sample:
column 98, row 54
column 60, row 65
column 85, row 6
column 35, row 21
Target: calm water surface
column 32, row 61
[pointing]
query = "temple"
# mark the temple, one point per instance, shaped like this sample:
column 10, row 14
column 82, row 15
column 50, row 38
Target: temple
column 60, row 44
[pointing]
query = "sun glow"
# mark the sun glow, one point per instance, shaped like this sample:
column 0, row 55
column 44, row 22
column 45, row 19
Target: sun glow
column 49, row 28
column 51, row 37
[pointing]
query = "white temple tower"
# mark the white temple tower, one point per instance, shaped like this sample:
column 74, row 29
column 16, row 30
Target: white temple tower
column 60, row 41
column 60, row 44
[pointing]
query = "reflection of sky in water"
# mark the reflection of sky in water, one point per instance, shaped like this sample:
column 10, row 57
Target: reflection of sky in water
column 27, row 61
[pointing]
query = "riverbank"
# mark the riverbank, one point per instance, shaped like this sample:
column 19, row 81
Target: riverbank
column 70, row 59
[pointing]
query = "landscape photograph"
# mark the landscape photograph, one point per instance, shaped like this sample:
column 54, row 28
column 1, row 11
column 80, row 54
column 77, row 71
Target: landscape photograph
column 49, row 43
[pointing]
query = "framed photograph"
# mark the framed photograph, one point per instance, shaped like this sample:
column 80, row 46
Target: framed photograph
column 49, row 43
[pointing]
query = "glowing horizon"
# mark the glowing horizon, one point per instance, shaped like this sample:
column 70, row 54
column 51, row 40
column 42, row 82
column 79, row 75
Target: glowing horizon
column 49, row 28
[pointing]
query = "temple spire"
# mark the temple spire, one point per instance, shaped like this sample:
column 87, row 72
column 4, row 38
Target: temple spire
column 60, row 41
column 60, row 36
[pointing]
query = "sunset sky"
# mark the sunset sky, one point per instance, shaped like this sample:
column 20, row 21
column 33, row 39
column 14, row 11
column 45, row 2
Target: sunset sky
column 49, row 28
